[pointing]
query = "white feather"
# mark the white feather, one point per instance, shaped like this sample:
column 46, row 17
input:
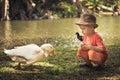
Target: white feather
column 30, row 53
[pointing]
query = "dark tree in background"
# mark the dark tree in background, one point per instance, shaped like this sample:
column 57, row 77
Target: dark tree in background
column 20, row 9
column 16, row 9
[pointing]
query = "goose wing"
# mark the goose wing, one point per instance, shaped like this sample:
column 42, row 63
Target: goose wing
column 26, row 51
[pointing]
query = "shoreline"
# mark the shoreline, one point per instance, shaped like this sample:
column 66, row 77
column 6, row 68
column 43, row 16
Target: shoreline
column 108, row 13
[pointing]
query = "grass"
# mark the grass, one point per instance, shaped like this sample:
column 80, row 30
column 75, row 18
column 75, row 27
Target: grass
column 64, row 66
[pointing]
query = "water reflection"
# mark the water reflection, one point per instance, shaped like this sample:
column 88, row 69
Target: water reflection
column 60, row 32
column 109, row 29
column 8, row 35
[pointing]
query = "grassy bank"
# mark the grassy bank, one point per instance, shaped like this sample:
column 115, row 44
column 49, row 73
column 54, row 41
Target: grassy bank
column 62, row 67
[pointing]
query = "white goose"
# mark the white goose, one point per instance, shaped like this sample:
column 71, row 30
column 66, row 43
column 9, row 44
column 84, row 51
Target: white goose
column 29, row 54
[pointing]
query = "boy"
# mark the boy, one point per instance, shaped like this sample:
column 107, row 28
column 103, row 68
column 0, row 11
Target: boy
column 92, row 48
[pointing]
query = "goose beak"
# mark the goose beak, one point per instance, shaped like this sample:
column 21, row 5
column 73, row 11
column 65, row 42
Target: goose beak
column 53, row 53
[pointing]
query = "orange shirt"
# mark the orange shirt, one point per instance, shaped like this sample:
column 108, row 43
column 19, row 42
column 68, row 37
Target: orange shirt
column 95, row 40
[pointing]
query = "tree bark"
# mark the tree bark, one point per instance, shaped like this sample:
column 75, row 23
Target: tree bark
column 5, row 9
column 79, row 7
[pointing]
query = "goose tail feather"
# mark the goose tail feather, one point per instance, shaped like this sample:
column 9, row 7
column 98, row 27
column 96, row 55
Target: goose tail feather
column 6, row 51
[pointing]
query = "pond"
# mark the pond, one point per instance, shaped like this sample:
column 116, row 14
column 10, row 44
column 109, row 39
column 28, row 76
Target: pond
column 59, row 32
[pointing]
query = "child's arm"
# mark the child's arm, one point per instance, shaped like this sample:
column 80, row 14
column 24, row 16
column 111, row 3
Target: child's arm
column 96, row 48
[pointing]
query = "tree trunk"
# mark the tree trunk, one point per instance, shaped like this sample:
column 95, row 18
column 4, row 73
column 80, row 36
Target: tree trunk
column 5, row 9
column 79, row 7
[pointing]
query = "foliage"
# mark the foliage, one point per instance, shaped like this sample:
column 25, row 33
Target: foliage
column 93, row 3
column 68, row 9
column 61, row 8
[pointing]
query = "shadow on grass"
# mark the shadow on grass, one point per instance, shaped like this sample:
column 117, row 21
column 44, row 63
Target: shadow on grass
column 64, row 67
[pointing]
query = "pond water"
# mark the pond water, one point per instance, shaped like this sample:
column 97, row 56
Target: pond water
column 59, row 32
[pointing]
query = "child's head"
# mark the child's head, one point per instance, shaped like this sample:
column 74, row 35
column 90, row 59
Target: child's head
column 87, row 20
column 87, row 24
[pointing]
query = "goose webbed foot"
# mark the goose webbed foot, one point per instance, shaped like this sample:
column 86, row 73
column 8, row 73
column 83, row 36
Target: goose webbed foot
column 33, row 69
column 19, row 66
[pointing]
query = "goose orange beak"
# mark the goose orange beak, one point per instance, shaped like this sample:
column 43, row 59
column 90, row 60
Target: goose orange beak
column 53, row 53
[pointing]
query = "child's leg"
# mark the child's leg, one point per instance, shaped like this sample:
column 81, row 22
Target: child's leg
column 84, row 55
column 96, row 57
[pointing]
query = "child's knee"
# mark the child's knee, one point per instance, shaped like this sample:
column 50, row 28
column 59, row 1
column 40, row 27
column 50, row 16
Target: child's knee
column 78, row 52
column 91, row 52
column 95, row 56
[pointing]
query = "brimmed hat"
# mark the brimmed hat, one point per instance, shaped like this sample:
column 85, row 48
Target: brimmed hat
column 81, row 22
column 87, row 19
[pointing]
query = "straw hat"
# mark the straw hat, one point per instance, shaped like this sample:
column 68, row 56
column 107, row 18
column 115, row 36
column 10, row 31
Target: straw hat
column 87, row 20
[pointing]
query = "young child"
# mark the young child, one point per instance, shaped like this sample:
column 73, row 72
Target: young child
column 92, row 48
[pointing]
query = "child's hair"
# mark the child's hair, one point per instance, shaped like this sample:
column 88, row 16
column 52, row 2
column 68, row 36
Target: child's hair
column 89, row 18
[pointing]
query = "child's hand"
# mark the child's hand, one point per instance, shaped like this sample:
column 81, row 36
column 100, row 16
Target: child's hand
column 85, row 46
column 81, row 44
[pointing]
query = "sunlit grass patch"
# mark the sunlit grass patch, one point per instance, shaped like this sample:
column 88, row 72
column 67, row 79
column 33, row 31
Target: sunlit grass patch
column 47, row 64
column 7, row 69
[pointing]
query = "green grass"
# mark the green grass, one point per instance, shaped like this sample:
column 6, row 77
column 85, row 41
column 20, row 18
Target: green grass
column 64, row 66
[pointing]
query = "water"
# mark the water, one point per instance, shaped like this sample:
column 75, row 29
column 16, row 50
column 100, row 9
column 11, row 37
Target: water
column 59, row 32
column 109, row 27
